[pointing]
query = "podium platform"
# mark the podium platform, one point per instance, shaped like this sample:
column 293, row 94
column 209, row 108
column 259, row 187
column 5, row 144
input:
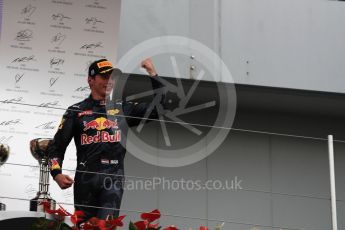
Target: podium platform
column 18, row 219
column 23, row 219
column 4, row 215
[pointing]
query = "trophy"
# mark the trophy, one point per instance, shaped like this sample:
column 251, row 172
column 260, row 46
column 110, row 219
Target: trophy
column 38, row 148
column 4, row 153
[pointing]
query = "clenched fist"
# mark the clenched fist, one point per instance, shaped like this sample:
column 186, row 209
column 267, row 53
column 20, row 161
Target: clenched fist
column 149, row 67
column 64, row 181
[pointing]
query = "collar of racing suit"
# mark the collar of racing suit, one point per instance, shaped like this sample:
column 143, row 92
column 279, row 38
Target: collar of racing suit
column 98, row 102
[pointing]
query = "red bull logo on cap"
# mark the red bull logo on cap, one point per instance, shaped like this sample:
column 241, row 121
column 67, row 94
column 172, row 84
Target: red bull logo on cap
column 100, row 124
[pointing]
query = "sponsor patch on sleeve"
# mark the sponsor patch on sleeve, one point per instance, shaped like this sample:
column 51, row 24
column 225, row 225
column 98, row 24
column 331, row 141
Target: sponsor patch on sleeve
column 62, row 123
column 113, row 112
column 55, row 164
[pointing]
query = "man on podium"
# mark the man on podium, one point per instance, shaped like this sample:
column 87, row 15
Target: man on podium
column 99, row 134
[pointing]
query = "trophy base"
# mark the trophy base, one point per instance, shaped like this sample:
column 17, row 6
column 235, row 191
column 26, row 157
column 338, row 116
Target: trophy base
column 36, row 203
column 2, row 207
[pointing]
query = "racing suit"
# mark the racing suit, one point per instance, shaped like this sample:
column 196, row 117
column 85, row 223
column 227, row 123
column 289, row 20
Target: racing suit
column 99, row 133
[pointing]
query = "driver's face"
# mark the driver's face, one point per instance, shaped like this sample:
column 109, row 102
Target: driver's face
column 101, row 86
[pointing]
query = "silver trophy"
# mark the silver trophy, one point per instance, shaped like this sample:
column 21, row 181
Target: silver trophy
column 38, row 148
column 4, row 153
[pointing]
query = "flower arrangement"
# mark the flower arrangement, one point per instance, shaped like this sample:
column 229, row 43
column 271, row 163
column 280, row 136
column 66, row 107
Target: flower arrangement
column 149, row 221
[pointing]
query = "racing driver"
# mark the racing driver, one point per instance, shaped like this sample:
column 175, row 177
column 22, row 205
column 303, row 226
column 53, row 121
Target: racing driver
column 99, row 133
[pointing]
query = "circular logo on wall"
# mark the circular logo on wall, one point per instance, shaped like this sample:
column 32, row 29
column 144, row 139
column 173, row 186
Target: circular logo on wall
column 195, row 116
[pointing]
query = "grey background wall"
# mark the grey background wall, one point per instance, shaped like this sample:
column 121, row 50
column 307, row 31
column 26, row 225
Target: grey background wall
column 286, row 43
column 285, row 179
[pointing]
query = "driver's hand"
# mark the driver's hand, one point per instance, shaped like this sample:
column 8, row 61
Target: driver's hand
column 64, row 181
column 147, row 64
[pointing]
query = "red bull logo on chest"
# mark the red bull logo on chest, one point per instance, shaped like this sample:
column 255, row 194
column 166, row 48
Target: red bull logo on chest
column 101, row 137
column 100, row 124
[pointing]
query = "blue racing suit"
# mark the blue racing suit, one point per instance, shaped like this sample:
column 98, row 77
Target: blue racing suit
column 99, row 132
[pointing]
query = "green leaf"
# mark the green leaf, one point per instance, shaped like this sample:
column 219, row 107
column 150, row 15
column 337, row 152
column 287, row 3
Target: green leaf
column 65, row 226
column 45, row 224
column 132, row 226
column 41, row 224
column 220, row 226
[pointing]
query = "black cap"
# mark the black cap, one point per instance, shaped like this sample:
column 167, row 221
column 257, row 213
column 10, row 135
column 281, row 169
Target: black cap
column 102, row 67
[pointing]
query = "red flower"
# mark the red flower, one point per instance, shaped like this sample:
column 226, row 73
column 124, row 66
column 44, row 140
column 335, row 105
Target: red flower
column 98, row 224
column 77, row 217
column 203, row 228
column 91, row 224
column 151, row 216
column 60, row 212
column 154, row 226
column 88, row 226
column 141, row 225
column 94, row 221
column 117, row 222
column 46, row 207
column 171, row 227
column 102, row 225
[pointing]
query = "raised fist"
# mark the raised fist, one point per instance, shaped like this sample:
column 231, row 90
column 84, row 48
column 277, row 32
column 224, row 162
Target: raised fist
column 149, row 67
